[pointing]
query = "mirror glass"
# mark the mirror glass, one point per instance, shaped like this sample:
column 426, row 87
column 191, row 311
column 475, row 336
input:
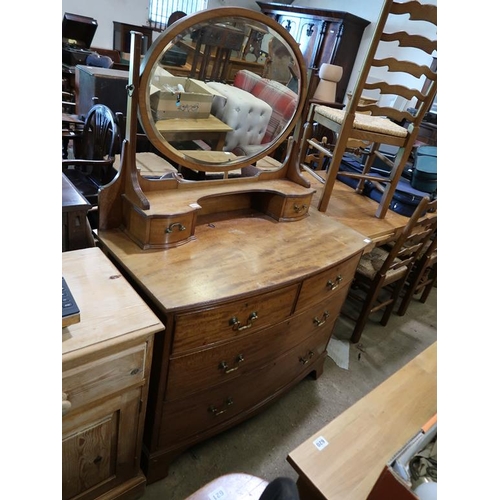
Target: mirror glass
column 219, row 92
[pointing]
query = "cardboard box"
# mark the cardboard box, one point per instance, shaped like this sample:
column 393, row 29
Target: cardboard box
column 168, row 102
column 394, row 480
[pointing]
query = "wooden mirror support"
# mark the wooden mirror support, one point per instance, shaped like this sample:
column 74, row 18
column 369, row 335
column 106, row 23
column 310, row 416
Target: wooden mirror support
column 165, row 213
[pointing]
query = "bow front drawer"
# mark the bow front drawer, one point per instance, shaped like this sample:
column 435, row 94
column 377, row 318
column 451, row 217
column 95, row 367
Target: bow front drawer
column 230, row 321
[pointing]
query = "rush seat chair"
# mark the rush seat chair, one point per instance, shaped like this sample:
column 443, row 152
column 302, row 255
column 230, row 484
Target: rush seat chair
column 382, row 273
column 407, row 58
column 422, row 277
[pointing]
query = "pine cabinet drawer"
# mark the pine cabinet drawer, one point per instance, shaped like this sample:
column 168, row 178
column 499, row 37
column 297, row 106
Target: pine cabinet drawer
column 326, row 283
column 104, row 377
column 231, row 321
column 196, row 371
column 201, row 412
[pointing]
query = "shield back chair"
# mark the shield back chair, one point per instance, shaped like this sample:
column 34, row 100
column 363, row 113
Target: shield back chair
column 99, row 142
column 381, row 122
column 422, row 277
column 382, row 273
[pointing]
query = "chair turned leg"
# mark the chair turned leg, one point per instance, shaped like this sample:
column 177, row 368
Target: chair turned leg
column 394, row 297
column 363, row 317
column 432, row 281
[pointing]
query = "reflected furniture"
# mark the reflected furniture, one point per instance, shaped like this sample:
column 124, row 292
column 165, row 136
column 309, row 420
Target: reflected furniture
column 324, row 36
column 212, row 53
column 282, row 100
column 221, row 263
column 381, row 122
column 106, row 361
column 191, row 129
column 343, row 460
column 247, row 115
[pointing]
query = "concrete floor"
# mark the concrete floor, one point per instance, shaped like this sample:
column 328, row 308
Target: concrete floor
column 260, row 445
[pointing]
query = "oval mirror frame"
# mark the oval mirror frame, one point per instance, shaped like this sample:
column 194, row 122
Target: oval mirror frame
column 184, row 27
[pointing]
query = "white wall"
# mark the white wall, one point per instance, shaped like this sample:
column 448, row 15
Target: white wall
column 136, row 12
column 126, row 11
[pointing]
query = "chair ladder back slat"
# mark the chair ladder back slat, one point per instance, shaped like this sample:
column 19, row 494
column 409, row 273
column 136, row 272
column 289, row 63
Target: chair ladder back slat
column 417, row 11
column 414, row 41
column 400, row 66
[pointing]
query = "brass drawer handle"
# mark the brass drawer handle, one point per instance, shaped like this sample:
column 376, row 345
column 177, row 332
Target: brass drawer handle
column 297, row 209
column 320, row 322
column 308, row 358
column 170, row 229
column 236, row 324
column 332, row 285
column 215, row 412
column 224, row 366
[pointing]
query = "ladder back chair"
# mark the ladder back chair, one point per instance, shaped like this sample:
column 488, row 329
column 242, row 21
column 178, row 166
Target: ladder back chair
column 422, row 277
column 381, row 122
column 382, row 273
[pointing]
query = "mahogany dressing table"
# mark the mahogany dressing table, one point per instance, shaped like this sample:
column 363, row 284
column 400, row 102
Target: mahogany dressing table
column 246, row 279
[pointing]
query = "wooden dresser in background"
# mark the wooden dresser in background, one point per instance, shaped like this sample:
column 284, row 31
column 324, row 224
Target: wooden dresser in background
column 324, row 36
column 106, row 360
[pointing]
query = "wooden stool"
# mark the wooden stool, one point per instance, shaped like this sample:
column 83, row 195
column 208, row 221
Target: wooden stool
column 235, row 486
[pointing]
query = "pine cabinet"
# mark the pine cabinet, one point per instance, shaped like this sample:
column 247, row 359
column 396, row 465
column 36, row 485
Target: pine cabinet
column 106, row 363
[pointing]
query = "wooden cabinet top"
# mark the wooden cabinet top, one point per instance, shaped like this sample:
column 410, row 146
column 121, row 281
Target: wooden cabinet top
column 363, row 438
column 71, row 197
column 111, row 312
column 229, row 259
column 310, row 11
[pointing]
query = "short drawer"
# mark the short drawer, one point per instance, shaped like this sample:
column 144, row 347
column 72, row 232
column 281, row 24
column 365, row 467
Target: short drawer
column 104, row 377
column 197, row 414
column 230, row 321
column 196, row 371
column 317, row 288
column 158, row 231
column 296, row 207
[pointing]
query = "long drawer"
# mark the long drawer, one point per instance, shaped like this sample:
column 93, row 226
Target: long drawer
column 196, row 371
column 196, row 414
column 229, row 321
column 103, row 377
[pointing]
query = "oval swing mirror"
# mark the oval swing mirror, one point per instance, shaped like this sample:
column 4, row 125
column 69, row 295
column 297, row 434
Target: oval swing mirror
column 221, row 89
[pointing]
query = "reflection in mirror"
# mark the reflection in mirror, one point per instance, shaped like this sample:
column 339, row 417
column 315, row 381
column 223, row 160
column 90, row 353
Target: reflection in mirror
column 220, row 93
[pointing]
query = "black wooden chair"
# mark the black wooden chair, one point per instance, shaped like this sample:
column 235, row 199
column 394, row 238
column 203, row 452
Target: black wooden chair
column 94, row 153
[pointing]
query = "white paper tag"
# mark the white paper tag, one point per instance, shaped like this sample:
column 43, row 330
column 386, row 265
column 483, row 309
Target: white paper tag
column 218, row 494
column 320, row 443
